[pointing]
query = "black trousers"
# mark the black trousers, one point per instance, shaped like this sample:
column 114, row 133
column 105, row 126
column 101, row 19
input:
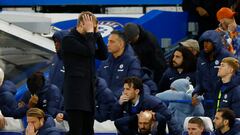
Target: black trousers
column 80, row 122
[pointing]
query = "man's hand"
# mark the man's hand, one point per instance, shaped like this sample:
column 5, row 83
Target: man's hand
column 195, row 100
column 201, row 11
column 232, row 27
column 30, row 129
column 33, row 101
column 88, row 25
column 123, row 98
column 3, row 122
column 59, row 117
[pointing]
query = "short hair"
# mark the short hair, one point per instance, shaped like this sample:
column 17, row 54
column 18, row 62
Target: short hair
column 228, row 114
column 189, row 60
column 233, row 62
column 80, row 17
column 131, row 30
column 35, row 82
column 197, row 120
column 35, row 112
column 121, row 35
column 134, row 82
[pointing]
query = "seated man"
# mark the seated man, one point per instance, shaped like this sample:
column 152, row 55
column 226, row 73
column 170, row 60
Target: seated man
column 228, row 88
column 133, row 101
column 39, row 123
column 121, row 63
column 43, row 95
column 179, row 98
column 198, row 126
column 195, row 126
column 146, row 123
column 225, row 122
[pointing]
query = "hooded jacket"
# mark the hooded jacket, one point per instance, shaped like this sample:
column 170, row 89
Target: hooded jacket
column 50, row 100
column 206, row 69
column 146, row 102
column 180, row 101
column 115, row 70
column 56, row 71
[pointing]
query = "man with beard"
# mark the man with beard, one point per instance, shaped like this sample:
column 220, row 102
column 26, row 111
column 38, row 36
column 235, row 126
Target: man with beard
column 133, row 101
column 146, row 123
column 211, row 54
column 182, row 65
column 225, row 122
column 229, row 30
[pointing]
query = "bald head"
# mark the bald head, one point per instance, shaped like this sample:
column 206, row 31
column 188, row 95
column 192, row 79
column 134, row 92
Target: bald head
column 145, row 115
column 145, row 122
column 1, row 76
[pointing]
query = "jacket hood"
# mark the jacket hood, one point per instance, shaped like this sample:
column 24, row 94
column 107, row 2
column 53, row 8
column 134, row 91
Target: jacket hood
column 59, row 35
column 214, row 37
column 181, row 85
column 44, row 88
